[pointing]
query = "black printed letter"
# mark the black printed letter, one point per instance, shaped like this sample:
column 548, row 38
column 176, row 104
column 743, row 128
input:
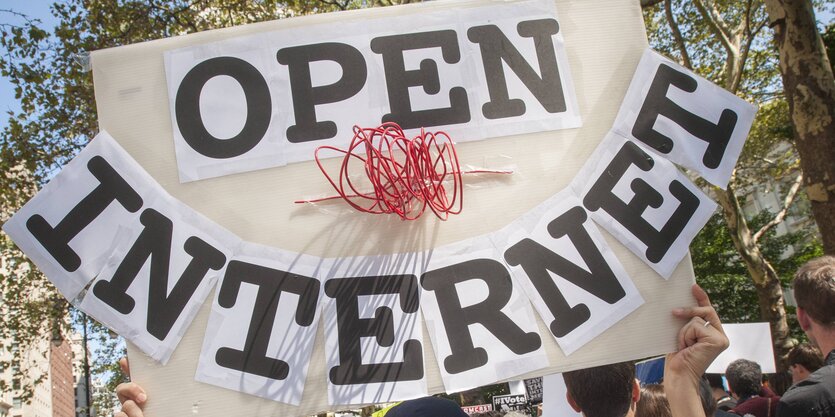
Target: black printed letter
column 398, row 80
column 630, row 215
column 306, row 96
column 537, row 260
column 488, row 313
column 656, row 103
column 258, row 107
column 352, row 328
column 495, row 48
column 155, row 243
column 271, row 283
column 112, row 187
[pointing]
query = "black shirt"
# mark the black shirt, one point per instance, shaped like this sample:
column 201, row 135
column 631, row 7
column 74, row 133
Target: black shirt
column 814, row 396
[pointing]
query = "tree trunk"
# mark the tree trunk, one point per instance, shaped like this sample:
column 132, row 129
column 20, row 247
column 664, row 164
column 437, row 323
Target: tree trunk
column 766, row 280
column 810, row 90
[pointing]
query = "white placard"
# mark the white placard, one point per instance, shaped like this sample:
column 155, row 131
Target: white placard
column 159, row 274
column 268, row 99
column 69, row 227
column 554, row 402
column 263, row 324
column 373, row 329
column 750, row 341
column 481, row 324
column 685, row 118
column 644, row 201
column 575, row 282
column 133, row 104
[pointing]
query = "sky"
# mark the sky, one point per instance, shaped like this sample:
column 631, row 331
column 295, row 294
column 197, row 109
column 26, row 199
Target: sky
column 39, row 9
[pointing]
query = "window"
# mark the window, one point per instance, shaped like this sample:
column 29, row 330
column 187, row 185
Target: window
column 16, row 403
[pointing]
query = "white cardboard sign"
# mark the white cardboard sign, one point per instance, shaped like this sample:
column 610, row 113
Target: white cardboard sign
column 134, row 104
column 750, row 341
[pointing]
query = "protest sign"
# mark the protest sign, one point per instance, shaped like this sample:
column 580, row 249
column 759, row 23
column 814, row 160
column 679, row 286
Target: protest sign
column 750, row 341
column 407, row 307
column 511, row 402
column 474, row 409
column 533, row 387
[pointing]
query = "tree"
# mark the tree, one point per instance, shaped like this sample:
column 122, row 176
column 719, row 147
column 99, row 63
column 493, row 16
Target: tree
column 723, row 275
column 723, row 41
column 810, row 91
column 48, row 70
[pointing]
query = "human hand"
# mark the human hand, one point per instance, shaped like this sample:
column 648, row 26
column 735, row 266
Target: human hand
column 700, row 341
column 131, row 395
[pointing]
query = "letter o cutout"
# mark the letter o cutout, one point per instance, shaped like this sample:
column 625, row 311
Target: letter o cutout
column 258, row 107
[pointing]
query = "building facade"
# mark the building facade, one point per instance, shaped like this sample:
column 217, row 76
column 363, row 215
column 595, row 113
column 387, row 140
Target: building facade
column 48, row 366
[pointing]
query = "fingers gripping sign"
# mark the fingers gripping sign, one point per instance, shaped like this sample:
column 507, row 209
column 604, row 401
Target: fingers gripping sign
column 700, row 341
column 702, row 338
column 131, row 395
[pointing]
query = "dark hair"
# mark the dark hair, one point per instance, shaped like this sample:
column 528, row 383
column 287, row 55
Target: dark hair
column 602, row 391
column 653, row 402
column 807, row 355
column 780, row 382
column 744, row 377
column 427, row 407
column 706, row 395
column 814, row 289
column 715, row 381
column 491, row 413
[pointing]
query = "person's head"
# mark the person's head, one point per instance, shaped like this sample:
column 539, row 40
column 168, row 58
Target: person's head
column 716, row 385
column 653, row 402
column 603, row 391
column 706, row 395
column 427, row 407
column 803, row 360
column 814, row 291
column 490, row 413
column 745, row 378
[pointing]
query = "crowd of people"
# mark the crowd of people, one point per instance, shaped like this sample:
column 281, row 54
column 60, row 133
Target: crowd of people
column 613, row 391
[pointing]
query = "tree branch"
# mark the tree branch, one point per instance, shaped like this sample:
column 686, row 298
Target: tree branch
column 716, row 23
column 679, row 40
column 784, row 211
column 649, row 3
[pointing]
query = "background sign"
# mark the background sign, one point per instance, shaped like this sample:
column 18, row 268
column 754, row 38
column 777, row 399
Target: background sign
column 510, row 402
column 750, row 341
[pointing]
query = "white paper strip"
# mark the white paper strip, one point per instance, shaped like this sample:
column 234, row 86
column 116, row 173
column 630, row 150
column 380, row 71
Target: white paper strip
column 685, row 118
column 373, row 329
column 272, row 98
column 263, row 324
column 160, row 272
column 558, row 257
column 643, row 200
column 69, row 227
column 481, row 325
